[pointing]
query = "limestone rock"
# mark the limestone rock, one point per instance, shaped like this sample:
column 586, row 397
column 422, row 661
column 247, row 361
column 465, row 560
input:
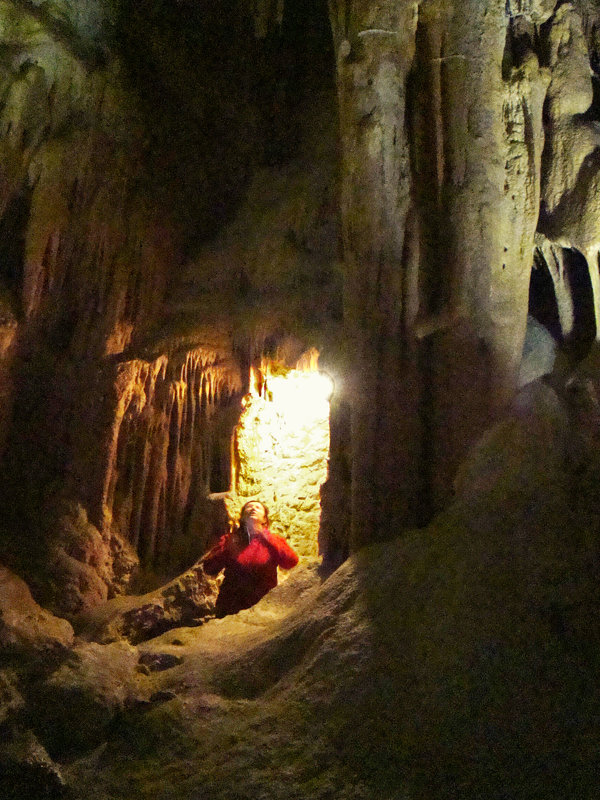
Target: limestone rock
column 477, row 635
column 26, row 770
column 72, row 708
column 571, row 174
column 187, row 601
column 11, row 701
column 166, row 422
column 280, row 452
column 539, row 352
column 531, row 442
column 157, row 662
column 26, row 629
column 87, row 566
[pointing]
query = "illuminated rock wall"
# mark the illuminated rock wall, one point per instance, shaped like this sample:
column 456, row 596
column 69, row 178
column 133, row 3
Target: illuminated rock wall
column 159, row 455
column 467, row 128
column 280, row 456
column 94, row 212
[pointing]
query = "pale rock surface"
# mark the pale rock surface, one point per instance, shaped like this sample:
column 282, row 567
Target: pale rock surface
column 539, row 353
column 280, row 457
column 571, row 164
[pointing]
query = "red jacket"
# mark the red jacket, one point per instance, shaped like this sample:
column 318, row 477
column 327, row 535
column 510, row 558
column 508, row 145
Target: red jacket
column 250, row 570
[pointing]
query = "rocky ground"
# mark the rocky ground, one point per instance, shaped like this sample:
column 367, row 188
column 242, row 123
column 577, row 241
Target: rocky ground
column 457, row 661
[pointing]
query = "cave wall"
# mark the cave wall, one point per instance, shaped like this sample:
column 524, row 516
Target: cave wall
column 280, row 451
column 83, row 270
column 184, row 185
column 131, row 134
column 455, row 119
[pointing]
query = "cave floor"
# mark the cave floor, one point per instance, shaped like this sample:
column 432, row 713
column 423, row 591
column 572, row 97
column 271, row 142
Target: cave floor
column 456, row 661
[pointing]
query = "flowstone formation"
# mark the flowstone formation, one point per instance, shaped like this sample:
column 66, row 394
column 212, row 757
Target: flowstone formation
column 465, row 160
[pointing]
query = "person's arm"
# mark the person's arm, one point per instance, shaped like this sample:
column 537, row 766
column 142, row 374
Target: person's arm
column 284, row 555
column 217, row 558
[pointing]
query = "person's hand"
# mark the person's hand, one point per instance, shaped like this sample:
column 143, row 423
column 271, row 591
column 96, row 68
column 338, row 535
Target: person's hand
column 254, row 527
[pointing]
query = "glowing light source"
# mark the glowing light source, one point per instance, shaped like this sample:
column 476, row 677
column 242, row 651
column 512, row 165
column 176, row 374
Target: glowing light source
column 281, row 448
column 300, row 394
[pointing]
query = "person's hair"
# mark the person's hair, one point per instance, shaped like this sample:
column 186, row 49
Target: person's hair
column 243, row 511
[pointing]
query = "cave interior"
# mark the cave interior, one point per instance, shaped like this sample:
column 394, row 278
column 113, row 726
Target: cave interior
column 343, row 257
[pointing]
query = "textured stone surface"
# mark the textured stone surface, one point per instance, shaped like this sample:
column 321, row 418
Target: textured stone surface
column 464, row 126
column 188, row 600
column 440, row 217
column 159, row 449
column 27, row 630
column 478, row 634
column 539, row 353
column 11, row 701
column 26, row 770
column 85, row 566
column 72, row 708
column 281, row 448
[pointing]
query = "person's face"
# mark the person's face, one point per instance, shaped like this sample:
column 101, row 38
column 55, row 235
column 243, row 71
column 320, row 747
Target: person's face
column 256, row 511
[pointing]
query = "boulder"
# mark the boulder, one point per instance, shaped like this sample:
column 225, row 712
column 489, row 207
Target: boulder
column 72, row 709
column 87, row 566
column 187, row 601
column 26, row 629
column 539, row 352
column 27, row 771
column 11, row 701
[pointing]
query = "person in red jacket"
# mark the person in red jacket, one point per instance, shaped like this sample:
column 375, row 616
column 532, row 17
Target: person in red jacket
column 250, row 556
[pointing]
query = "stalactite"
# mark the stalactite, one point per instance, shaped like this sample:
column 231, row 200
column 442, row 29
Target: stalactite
column 166, row 408
column 524, row 92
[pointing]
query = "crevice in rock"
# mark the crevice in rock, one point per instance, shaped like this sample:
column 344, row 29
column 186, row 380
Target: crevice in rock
column 561, row 295
column 13, row 232
column 543, row 305
column 584, row 326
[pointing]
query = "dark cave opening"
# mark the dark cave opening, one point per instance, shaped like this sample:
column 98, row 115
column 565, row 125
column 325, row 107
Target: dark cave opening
column 296, row 67
column 542, row 300
column 584, row 326
column 219, row 102
column 543, row 305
